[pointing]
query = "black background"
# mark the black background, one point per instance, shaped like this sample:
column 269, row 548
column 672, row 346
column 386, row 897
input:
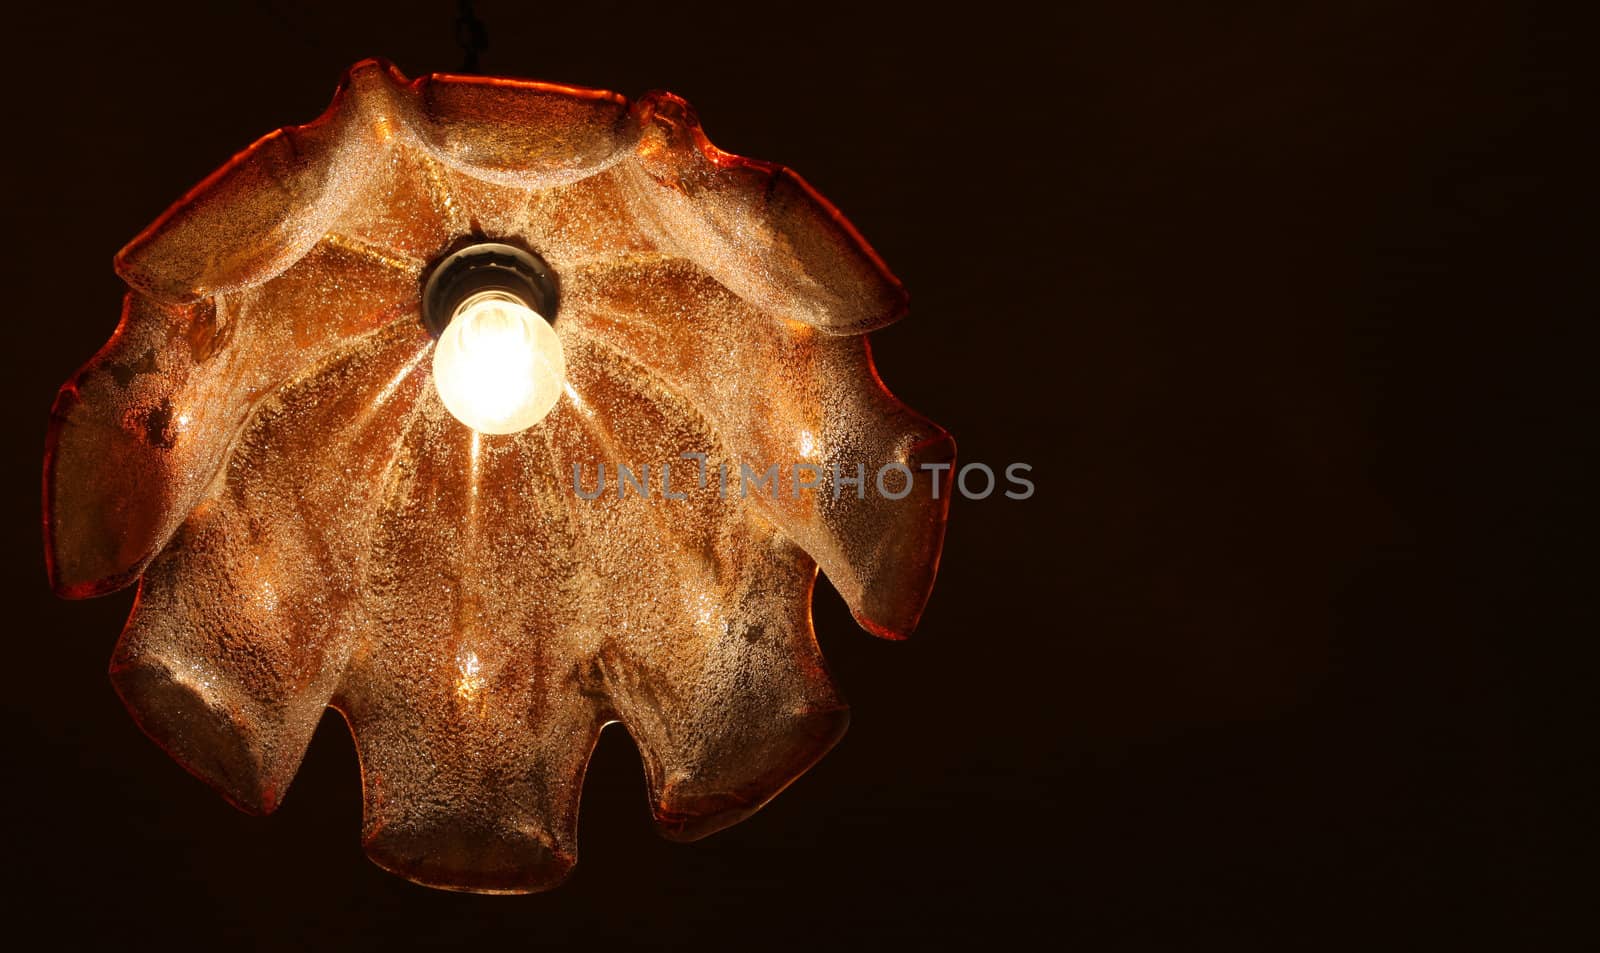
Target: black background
column 1282, row 302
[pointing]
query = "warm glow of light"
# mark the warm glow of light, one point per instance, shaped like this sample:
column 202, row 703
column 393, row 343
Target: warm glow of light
column 498, row 366
column 470, row 682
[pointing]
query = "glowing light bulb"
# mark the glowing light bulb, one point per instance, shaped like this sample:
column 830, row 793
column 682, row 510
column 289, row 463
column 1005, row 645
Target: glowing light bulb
column 498, row 365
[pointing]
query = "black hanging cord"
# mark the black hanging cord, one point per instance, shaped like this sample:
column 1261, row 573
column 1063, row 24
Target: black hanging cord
column 471, row 35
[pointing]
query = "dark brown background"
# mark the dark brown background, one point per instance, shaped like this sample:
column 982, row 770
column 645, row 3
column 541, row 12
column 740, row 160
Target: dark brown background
column 1282, row 303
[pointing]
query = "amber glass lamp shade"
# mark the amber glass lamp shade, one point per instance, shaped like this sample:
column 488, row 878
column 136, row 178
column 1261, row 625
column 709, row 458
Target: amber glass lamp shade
column 263, row 447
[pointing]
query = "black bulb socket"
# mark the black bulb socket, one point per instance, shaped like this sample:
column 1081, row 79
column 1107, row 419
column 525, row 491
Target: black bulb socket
column 486, row 266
